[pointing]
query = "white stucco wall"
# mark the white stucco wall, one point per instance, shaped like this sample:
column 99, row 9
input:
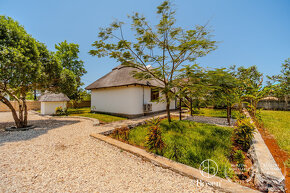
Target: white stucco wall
column 48, row 108
column 124, row 100
column 156, row 106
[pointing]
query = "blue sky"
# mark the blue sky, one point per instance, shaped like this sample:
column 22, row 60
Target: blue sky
column 251, row 32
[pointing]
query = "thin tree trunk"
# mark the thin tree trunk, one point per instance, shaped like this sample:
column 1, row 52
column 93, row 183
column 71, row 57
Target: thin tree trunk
column 35, row 95
column 25, row 114
column 286, row 102
column 168, row 107
column 180, row 101
column 20, row 112
column 191, row 112
column 228, row 114
column 13, row 111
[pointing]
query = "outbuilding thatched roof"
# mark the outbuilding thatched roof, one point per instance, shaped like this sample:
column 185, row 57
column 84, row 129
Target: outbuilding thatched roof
column 270, row 98
column 121, row 76
column 53, row 97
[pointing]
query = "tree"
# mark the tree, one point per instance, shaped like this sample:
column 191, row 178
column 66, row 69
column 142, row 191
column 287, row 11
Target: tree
column 73, row 69
column 192, row 85
column 25, row 64
column 250, row 87
column 281, row 82
column 157, row 52
column 224, row 89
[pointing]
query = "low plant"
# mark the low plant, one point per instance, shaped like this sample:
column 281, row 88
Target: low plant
column 153, row 141
column 121, row 133
column 239, row 157
column 176, row 147
column 61, row 111
column 244, row 133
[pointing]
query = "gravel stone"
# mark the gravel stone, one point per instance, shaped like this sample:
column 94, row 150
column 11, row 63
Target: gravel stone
column 59, row 156
column 210, row 120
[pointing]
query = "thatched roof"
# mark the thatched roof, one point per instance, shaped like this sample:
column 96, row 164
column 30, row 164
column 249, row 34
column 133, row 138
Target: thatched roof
column 53, row 97
column 270, row 98
column 121, row 76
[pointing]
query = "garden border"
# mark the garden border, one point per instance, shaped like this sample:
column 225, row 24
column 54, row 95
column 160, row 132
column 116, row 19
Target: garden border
column 267, row 174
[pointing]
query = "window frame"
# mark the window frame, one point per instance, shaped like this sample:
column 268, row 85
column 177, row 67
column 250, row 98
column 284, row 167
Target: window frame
column 154, row 94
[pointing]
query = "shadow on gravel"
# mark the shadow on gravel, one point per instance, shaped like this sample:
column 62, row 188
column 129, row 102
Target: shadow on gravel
column 42, row 127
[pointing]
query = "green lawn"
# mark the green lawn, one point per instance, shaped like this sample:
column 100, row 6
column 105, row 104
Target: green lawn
column 278, row 124
column 215, row 113
column 85, row 112
column 192, row 142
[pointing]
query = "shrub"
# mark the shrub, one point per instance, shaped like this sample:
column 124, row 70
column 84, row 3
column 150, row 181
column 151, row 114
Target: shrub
column 244, row 133
column 239, row 157
column 153, row 141
column 121, row 133
column 60, row 111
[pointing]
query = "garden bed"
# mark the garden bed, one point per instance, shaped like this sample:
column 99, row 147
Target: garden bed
column 191, row 143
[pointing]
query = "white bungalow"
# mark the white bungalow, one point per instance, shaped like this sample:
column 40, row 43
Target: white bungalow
column 50, row 101
column 119, row 93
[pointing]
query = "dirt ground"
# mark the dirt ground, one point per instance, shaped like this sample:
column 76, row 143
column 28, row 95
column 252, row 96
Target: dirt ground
column 279, row 155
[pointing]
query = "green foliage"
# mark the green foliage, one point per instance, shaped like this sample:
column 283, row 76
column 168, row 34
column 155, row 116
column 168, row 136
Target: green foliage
column 176, row 147
column 154, row 141
column 250, row 87
column 25, row 65
column 73, row 69
column 192, row 86
column 86, row 112
column 191, row 143
column 244, row 133
column 239, row 157
column 281, row 82
column 165, row 47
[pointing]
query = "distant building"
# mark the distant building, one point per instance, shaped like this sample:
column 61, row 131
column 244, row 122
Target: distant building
column 50, row 101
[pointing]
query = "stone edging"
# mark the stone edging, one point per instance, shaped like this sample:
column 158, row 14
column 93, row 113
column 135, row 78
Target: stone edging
column 96, row 122
column 182, row 169
column 267, row 175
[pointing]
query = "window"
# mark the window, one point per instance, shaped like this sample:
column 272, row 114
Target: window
column 154, row 94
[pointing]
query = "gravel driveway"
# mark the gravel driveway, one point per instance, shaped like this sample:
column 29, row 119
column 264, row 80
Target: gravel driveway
column 59, row 156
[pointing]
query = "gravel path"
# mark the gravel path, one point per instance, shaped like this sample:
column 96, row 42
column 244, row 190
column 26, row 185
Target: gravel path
column 211, row 120
column 59, row 156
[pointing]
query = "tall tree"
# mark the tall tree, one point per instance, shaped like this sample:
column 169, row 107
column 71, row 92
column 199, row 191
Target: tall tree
column 224, row 89
column 68, row 55
column 164, row 47
column 25, row 64
column 281, row 82
column 250, row 87
column 192, row 85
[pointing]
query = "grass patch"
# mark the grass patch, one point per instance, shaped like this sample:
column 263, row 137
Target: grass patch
column 86, row 112
column 191, row 143
column 277, row 123
column 221, row 113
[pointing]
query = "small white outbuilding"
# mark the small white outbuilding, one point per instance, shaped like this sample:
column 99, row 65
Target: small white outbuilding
column 50, row 101
column 120, row 93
